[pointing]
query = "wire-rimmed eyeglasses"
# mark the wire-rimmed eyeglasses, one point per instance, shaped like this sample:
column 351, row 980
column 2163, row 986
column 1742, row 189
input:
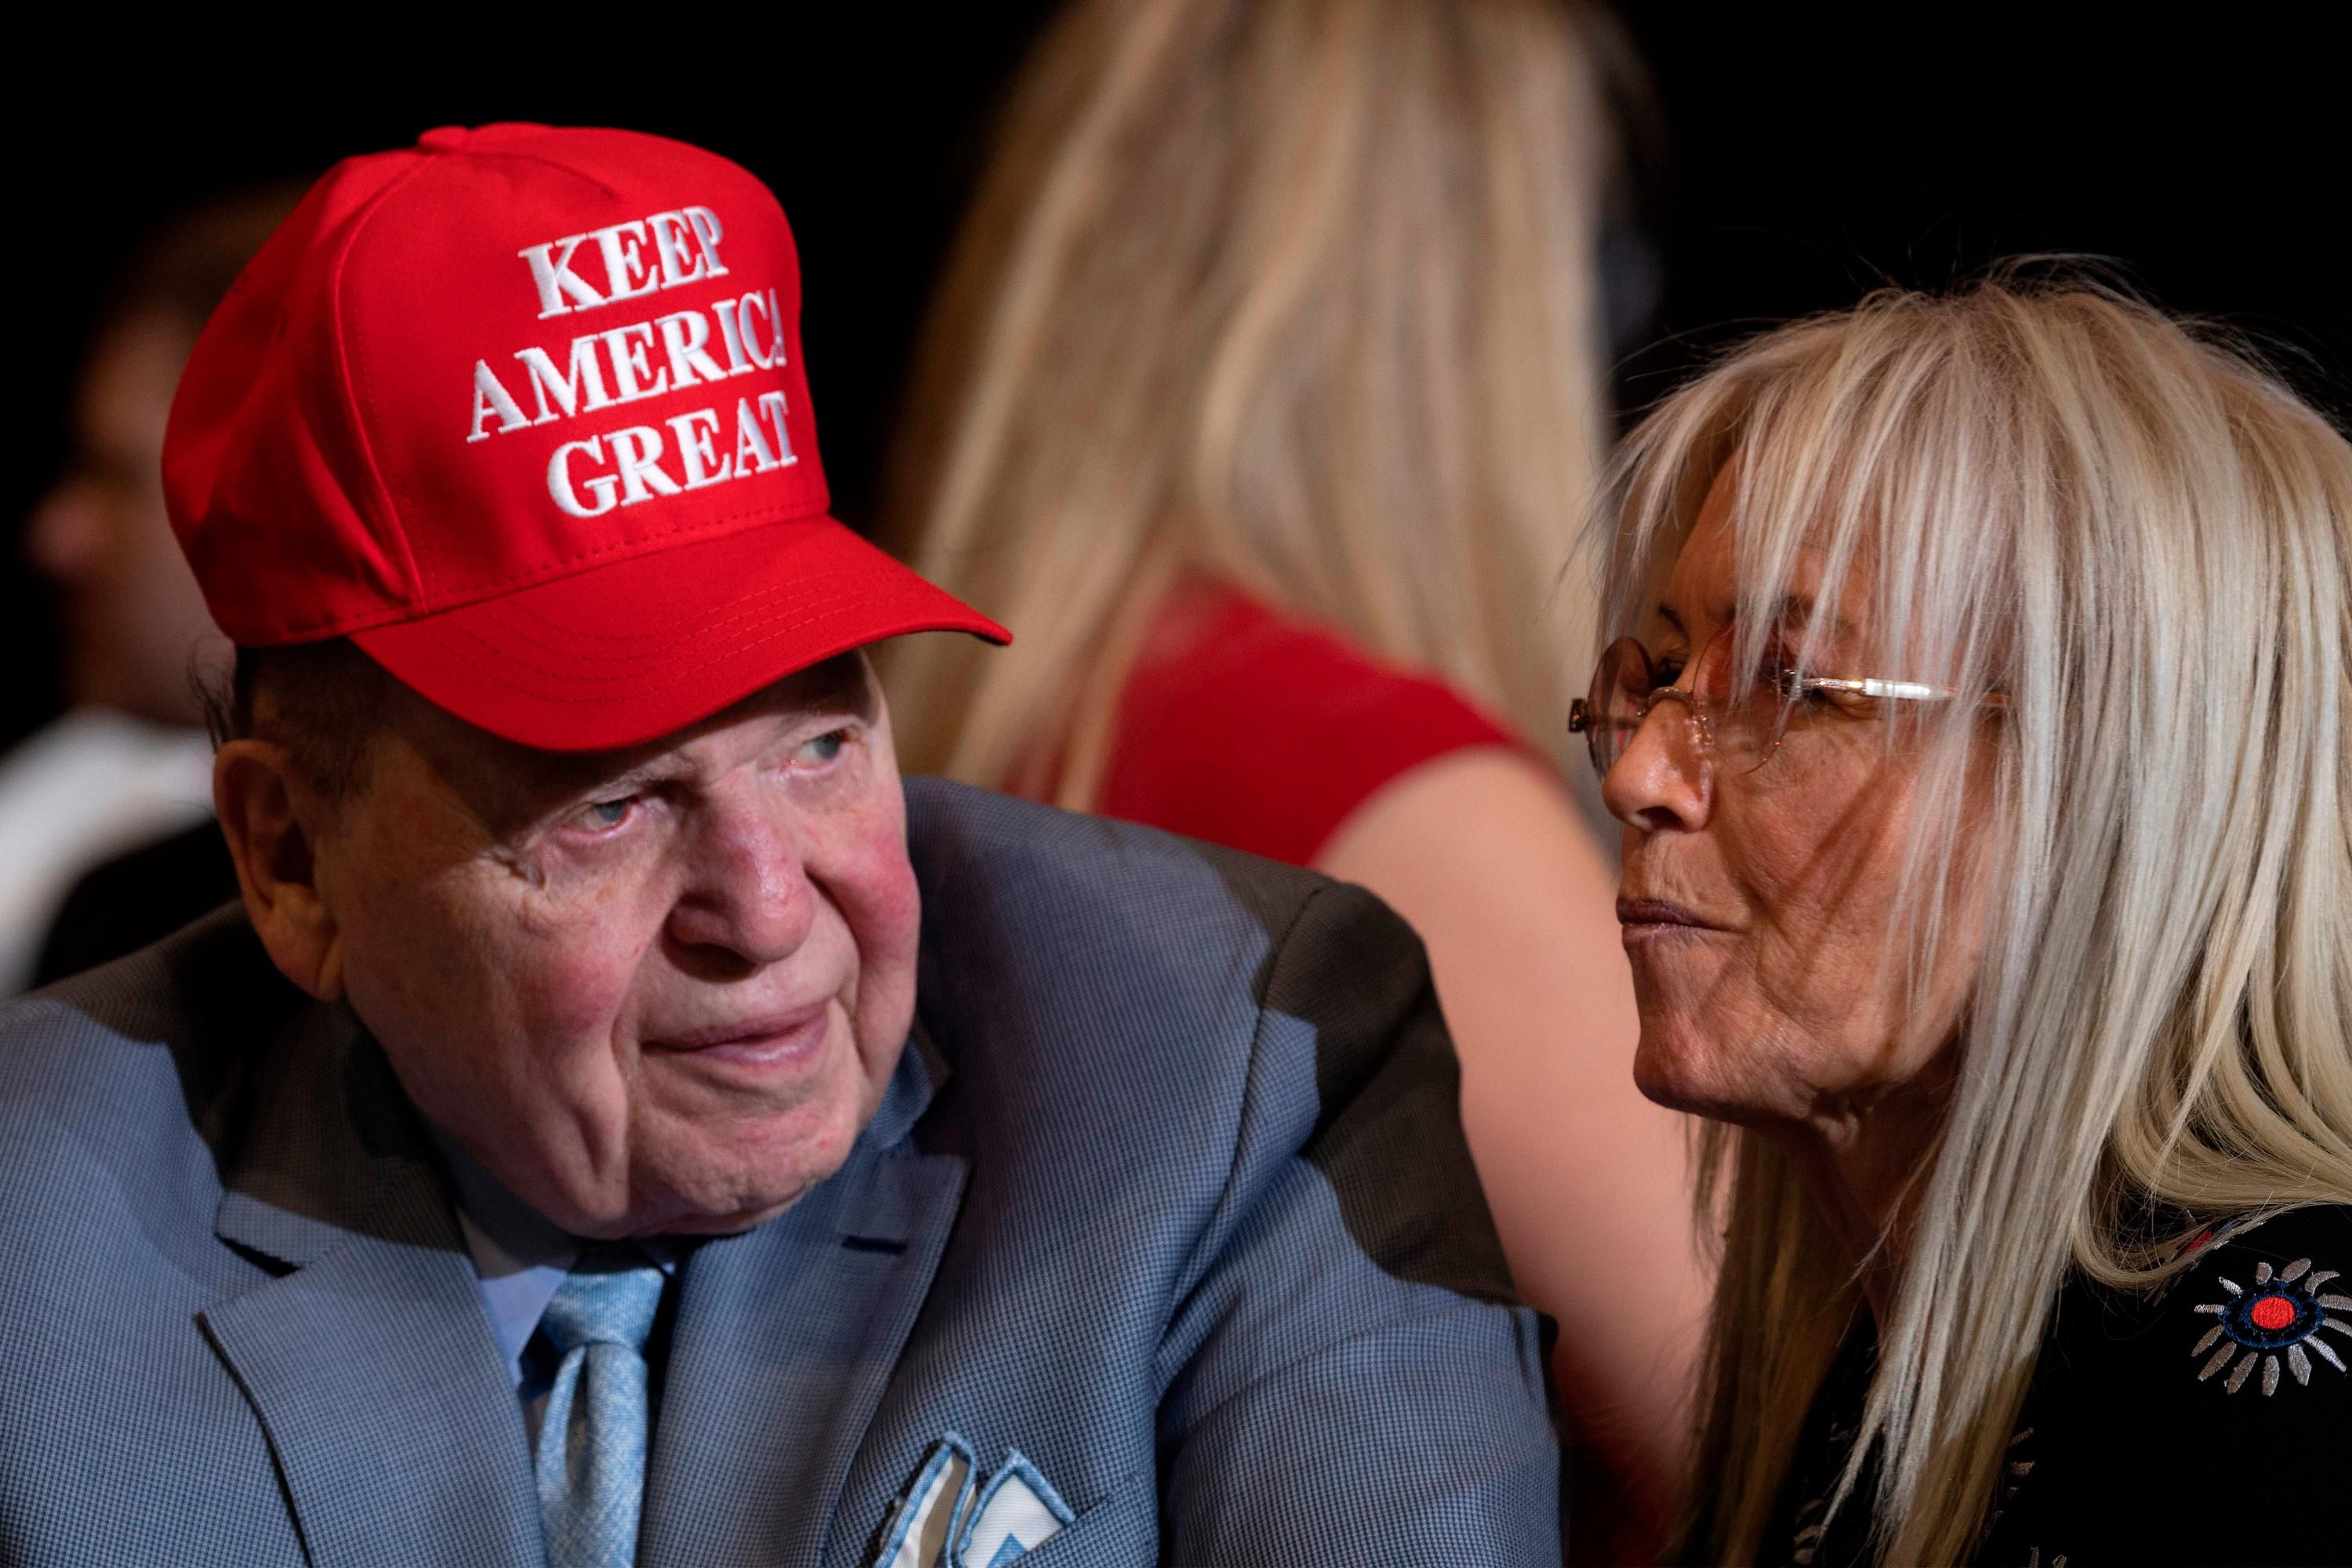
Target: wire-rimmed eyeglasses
column 1741, row 720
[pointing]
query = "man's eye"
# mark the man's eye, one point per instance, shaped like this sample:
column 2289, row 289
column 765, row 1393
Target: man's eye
column 604, row 815
column 819, row 750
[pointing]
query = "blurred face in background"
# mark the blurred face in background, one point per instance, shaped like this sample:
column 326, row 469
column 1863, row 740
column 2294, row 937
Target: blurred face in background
column 133, row 615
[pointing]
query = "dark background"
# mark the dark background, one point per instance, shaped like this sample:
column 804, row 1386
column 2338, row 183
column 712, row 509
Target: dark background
column 1785, row 160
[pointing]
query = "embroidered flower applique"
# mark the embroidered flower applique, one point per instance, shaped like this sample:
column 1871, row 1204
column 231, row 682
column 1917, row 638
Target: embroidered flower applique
column 2283, row 1314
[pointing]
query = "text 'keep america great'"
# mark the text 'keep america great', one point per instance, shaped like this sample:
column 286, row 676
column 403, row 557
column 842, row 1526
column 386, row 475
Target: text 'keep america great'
column 735, row 335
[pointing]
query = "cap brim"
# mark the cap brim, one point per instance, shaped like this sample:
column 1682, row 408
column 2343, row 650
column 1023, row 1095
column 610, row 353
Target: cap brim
column 624, row 654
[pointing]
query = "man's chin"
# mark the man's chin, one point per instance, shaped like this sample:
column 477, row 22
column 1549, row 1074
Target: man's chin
column 716, row 1213
column 728, row 1179
column 734, row 1223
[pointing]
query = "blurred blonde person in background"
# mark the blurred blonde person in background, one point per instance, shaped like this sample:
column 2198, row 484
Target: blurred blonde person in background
column 1264, row 400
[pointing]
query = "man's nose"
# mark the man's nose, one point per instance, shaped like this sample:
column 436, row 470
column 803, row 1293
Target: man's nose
column 748, row 901
column 1662, row 782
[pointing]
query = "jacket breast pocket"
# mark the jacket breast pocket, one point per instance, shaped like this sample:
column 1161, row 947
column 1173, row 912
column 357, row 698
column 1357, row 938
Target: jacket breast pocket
column 1123, row 1529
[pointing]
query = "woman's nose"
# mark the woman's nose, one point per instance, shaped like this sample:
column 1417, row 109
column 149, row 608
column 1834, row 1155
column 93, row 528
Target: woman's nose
column 1662, row 782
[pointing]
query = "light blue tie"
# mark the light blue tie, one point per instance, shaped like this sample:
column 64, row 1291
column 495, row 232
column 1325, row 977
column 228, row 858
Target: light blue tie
column 592, row 1439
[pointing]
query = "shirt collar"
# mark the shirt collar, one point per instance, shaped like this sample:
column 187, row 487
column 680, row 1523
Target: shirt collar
column 521, row 1257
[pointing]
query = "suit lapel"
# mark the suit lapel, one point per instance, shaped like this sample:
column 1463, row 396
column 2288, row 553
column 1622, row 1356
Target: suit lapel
column 371, row 1365
column 786, row 1338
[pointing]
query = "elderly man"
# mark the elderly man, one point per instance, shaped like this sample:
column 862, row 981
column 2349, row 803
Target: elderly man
column 620, row 1124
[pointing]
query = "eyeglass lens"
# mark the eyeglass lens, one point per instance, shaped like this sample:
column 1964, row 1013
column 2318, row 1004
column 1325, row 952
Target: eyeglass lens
column 1625, row 687
column 1618, row 701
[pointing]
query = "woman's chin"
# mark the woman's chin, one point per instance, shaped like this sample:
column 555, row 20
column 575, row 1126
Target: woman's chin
column 1665, row 1073
column 1684, row 1072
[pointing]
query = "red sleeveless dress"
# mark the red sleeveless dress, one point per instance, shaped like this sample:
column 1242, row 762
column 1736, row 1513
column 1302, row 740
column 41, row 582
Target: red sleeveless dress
column 1246, row 728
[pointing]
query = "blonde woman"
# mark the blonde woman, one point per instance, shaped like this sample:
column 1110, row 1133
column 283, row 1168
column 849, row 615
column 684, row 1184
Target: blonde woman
column 1264, row 402
column 1980, row 743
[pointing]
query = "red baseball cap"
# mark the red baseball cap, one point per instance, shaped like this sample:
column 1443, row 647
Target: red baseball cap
column 521, row 412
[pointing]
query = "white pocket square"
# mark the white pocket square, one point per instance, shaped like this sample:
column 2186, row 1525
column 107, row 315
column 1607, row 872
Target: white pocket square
column 948, row 1520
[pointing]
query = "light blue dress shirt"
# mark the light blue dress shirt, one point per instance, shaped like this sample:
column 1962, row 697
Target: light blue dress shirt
column 520, row 1258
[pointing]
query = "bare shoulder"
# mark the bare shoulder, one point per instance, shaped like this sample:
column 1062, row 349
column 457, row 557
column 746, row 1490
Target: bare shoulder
column 1492, row 810
column 1482, row 852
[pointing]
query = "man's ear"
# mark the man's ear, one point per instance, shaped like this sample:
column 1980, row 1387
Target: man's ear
column 271, row 817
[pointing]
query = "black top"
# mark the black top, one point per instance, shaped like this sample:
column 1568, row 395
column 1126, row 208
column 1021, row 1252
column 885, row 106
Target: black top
column 2208, row 1423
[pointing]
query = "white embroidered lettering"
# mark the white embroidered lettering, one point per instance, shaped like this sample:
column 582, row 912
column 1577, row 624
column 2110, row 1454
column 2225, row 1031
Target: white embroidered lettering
column 776, row 322
column 684, row 248
column 675, row 245
column 683, row 337
column 701, row 460
column 559, row 479
column 733, row 336
column 583, row 376
column 751, row 339
column 772, row 407
column 634, row 375
column 626, row 275
column 553, row 275
column 636, row 453
column 490, row 396
column 705, row 228
column 751, row 453
column 592, row 477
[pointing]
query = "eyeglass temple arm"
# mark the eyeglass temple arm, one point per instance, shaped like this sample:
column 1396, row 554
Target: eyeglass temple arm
column 1901, row 691
column 1896, row 690
column 1579, row 714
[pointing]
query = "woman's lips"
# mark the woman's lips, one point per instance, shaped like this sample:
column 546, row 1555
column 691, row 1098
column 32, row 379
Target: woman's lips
column 777, row 1039
column 1646, row 919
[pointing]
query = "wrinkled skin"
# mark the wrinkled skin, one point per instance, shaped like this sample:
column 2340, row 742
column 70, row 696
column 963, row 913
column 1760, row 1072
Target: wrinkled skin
column 1775, row 1005
column 658, row 990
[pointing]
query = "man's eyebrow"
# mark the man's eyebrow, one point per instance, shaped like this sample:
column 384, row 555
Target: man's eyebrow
column 629, row 780
column 853, row 701
column 569, row 788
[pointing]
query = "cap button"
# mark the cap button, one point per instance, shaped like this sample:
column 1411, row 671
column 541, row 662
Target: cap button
column 444, row 138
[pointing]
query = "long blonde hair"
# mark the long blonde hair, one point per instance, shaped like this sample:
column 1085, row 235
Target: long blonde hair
column 2144, row 542
column 1298, row 294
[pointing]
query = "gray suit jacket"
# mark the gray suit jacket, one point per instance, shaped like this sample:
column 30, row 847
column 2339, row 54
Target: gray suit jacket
column 1167, row 1194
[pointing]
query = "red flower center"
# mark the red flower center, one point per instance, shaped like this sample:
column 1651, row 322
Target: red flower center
column 2273, row 1313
